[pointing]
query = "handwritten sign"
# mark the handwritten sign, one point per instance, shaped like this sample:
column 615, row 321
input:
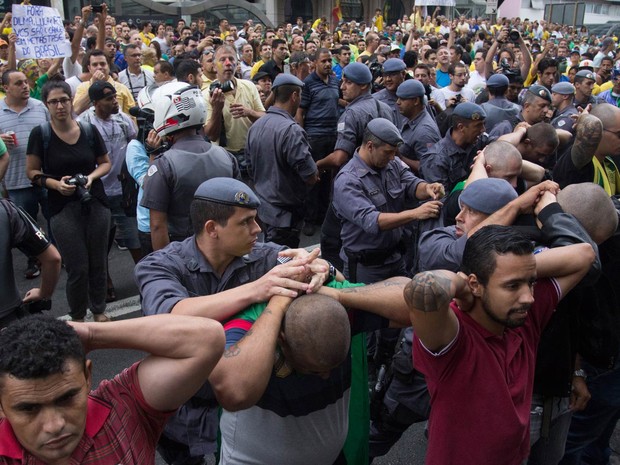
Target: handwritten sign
column 40, row 32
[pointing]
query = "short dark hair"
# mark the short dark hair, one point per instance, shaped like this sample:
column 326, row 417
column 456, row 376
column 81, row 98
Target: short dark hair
column 93, row 53
column 6, row 76
column 37, row 347
column 410, row 58
column 547, row 63
column 481, row 250
column 201, row 211
column 130, row 47
column 276, row 42
column 165, row 67
column 284, row 92
column 429, row 52
column 184, row 68
column 53, row 85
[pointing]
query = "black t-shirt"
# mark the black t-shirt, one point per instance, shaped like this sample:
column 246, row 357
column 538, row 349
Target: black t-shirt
column 565, row 172
column 62, row 159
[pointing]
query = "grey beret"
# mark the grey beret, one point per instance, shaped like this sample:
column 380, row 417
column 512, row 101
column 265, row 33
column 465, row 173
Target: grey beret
column 227, row 191
column 411, row 88
column 394, row 65
column 586, row 74
column 563, row 88
column 498, row 80
column 541, row 92
column 385, row 130
column 470, row 111
column 284, row 79
column 487, row 195
column 357, row 73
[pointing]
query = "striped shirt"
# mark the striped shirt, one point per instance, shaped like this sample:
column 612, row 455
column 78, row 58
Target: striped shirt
column 31, row 116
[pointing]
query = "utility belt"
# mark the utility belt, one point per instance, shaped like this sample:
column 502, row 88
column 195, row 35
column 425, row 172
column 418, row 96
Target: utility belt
column 372, row 257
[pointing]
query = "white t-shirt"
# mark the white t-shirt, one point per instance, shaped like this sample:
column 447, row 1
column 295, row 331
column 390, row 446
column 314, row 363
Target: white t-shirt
column 443, row 94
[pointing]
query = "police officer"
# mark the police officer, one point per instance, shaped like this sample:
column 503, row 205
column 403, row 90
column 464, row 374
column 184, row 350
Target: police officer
column 369, row 199
column 355, row 86
column 498, row 108
column 217, row 272
column 536, row 102
column 562, row 96
column 362, row 108
column 448, row 161
column 280, row 163
column 17, row 229
column 173, row 178
column 584, row 84
column 419, row 130
column 393, row 76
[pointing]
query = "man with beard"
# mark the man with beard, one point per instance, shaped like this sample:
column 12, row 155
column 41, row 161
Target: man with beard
column 116, row 129
column 455, row 92
column 476, row 334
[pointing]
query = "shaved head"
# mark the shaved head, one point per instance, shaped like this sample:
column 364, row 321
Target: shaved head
column 607, row 113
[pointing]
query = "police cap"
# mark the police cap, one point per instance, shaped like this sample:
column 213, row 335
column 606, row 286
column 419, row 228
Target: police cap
column 386, row 131
column 585, row 74
column 540, row 91
column 498, row 80
column 393, row 65
column 227, row 191
column 284, row 79
column 487, row 195
column 411, row 88
column 470, row 111
column 563, row 88
column 357, row 73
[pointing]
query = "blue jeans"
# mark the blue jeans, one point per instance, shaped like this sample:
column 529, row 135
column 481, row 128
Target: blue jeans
column 591, row 429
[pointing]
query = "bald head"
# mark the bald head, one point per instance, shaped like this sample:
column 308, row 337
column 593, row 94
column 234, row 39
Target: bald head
column 590, row 204
column 316, row 333
column 607, row 113
column 503, row 161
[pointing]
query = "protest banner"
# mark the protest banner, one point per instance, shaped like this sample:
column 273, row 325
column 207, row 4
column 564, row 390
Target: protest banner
column 40, row 32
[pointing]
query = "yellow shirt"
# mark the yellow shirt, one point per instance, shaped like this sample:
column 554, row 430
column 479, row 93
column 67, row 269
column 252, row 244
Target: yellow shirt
column 378, row 22
column 602, row 88
column 125, row 99
column 237, row 128
column 146, row 38
column 256, row 67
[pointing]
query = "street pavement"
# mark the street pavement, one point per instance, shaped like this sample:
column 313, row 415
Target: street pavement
column 409, row 450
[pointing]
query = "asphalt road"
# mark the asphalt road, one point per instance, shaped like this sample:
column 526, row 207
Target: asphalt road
column 409, row 450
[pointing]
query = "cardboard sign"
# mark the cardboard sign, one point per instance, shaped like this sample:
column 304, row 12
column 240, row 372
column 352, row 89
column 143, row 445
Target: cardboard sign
column 40, row 32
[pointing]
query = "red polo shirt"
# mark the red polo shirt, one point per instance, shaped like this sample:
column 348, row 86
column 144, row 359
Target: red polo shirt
column 120, row 427
column 481, row 388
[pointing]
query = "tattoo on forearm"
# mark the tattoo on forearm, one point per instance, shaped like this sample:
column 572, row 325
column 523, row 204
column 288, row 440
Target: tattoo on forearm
column 588, row 135
column 429, row 291
column 235, row 349
column 392, row 282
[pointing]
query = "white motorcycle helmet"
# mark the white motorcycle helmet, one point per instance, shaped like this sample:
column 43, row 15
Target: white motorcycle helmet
column 178, row 105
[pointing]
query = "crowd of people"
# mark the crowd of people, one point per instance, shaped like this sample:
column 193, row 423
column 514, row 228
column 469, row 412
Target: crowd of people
column 462, row 174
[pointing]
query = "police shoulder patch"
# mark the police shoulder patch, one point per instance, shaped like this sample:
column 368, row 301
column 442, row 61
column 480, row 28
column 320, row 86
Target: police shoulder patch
column 152, row 170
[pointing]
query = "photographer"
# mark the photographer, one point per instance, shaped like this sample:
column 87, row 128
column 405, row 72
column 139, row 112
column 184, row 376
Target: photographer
column 17, row 229
column 504, row 36
column 69, row 159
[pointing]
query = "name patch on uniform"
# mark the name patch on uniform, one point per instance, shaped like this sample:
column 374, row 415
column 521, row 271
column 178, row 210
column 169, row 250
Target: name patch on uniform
column 561, row 123
column 375, row 192
column 152, row 170
column 340, row 127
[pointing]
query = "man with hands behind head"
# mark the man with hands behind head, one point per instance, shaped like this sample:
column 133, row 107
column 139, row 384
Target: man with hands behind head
column 49, row 414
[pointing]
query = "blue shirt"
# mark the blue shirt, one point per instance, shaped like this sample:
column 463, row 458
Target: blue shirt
column 320, row 101
column 137, row 165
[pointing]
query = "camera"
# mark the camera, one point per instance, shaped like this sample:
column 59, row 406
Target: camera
column 226, row 86
column 217, row 41
column 80, row 181
column 514, row 35
column 38, row 306
column 506, row 70
column 376, row 69
column 97, row 7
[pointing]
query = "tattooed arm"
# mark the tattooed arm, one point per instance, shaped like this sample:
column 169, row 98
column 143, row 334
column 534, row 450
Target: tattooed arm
column 428, row 297
column 384, row 298
column 241, row 376
column 587, row 137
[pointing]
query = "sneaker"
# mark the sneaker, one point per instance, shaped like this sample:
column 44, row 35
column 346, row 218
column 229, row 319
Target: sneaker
column 33, row 270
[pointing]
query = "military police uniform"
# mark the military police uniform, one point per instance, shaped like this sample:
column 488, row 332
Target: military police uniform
column 499, row 109
column 180, row 271
column 172, row 179
column 591, row 100
column 280, row 163
column 562, row 118
column 446, row 162
column 420, row 133
column 361, row 194
column 393, row 65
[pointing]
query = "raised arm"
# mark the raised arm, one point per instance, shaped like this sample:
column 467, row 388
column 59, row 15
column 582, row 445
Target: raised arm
column 183, row 351
column 527, row 58
column 240, row 378
column 588, row 134
column 79, row 33
column 428, row 297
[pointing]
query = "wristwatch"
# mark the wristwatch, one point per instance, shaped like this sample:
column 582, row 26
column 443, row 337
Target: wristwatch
column 332, row 273
column 581, row 373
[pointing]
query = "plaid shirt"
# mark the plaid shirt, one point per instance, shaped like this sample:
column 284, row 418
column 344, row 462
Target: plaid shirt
column 121, row 428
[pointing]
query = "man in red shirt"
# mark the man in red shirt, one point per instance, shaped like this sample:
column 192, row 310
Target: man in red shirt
column 50, row 416
column 478, row 351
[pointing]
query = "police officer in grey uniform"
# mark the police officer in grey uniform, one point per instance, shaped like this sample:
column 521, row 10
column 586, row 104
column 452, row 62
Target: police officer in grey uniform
column 221, row 269
column 369, row 199
column 406, row 400
column 172, row 179
column 280, row 164
column 584, row 82
column 419, row 130
column 498, row 108
column 562, row 96
column 17, row 229
column 448, row 161
column 393, row 76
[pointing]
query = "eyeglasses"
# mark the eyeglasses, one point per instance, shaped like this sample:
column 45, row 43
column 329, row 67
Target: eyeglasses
column 63, row 101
